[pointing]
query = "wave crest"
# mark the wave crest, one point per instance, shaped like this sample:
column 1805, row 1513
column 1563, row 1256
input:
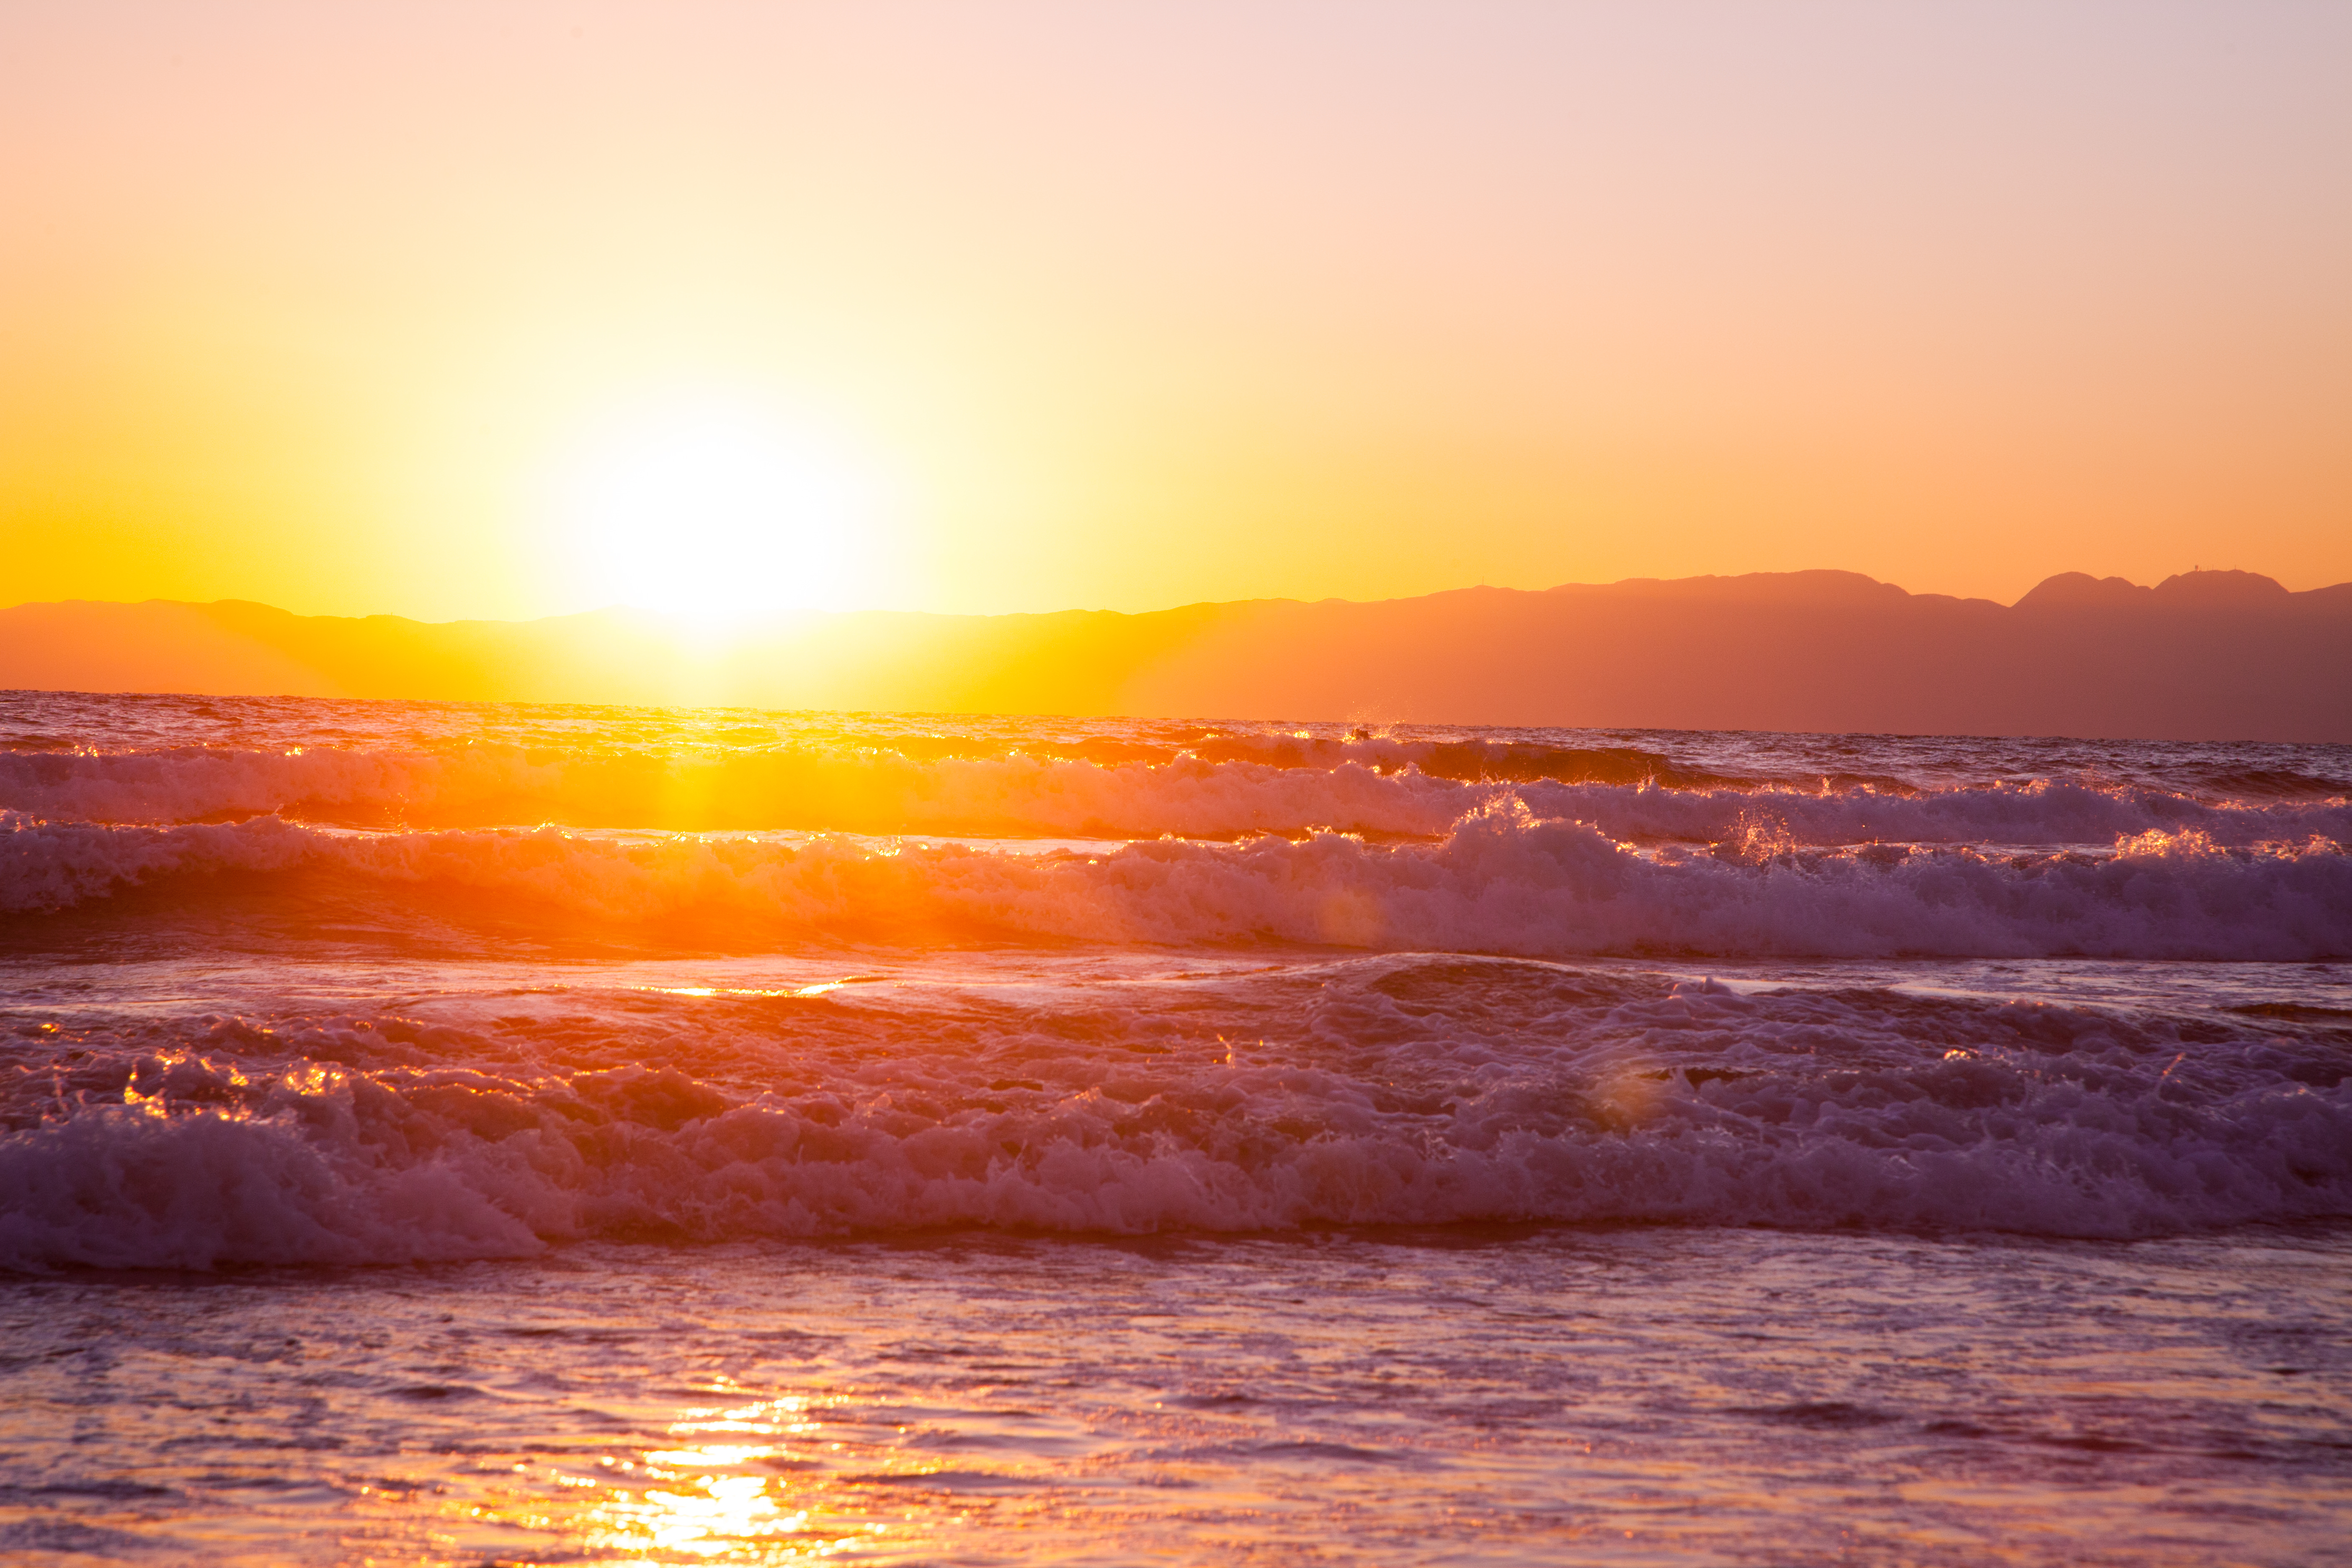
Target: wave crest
column 1247, row 790
column 1502, row 881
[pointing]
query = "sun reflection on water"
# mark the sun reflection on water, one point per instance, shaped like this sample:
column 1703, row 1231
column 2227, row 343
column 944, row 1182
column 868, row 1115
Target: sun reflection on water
column 714, row 1516
column 727, row 1487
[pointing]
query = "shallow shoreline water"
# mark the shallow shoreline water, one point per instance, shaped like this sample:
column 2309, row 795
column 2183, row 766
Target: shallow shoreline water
column 1611, row 1396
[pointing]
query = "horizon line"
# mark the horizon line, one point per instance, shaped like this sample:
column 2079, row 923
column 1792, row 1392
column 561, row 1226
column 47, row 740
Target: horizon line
column 2110, row 586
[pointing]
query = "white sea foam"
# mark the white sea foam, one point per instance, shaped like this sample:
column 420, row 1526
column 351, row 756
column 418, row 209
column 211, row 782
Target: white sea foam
column 1420, row 1090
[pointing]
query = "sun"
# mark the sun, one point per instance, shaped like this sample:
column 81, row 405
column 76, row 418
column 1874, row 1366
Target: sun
column 719, row 511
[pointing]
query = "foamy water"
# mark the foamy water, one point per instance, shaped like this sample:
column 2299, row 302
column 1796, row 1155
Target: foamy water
column 805, row 1013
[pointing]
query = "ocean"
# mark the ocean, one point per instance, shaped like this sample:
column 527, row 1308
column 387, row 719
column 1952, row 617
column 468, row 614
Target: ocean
column 459, row 1133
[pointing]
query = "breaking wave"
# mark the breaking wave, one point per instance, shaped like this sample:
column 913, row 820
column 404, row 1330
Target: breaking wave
column 1410, row 1090
column 1501, row 881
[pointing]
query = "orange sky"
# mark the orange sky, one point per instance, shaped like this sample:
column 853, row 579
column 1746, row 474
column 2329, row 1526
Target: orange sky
column 359, row 309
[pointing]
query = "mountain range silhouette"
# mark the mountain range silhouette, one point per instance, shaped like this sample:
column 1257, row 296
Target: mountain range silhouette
column 2214, row 655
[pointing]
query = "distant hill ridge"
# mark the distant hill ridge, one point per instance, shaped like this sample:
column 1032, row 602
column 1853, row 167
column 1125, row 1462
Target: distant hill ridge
column 2200, row 655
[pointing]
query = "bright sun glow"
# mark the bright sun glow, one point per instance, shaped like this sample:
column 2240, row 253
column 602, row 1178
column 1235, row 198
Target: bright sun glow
column 718, row 511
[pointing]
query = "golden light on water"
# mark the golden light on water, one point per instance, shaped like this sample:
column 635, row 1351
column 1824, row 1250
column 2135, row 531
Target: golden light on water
column 716, row 1517
column 730, row 1487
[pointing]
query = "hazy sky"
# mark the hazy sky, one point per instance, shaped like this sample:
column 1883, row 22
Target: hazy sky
column 362, row 308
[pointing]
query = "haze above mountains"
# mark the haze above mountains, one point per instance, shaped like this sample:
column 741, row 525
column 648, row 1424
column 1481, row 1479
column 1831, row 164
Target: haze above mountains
column 2202, row 656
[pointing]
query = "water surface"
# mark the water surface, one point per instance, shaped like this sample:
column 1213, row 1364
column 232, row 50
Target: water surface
column 448, row 1133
